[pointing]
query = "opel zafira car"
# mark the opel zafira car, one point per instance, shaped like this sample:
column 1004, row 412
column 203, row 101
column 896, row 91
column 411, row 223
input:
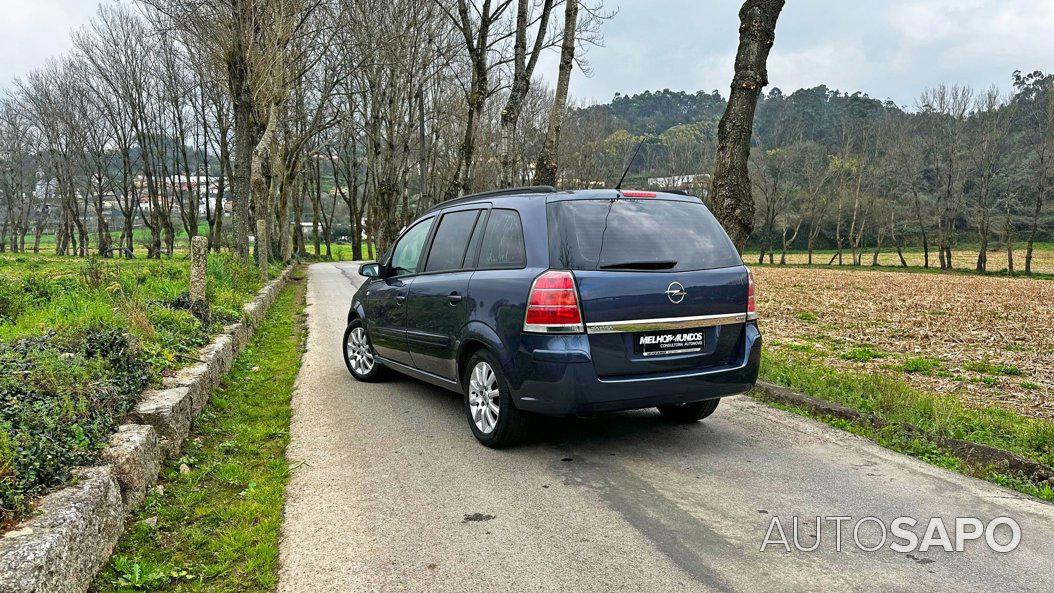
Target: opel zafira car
column 533, row 301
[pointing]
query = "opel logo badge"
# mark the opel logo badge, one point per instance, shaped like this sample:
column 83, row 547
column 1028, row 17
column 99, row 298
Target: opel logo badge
column 675, row 292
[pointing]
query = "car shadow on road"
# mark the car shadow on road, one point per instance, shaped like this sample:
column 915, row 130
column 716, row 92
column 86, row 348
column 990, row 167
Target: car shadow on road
column 600, row 430
column 619, row 428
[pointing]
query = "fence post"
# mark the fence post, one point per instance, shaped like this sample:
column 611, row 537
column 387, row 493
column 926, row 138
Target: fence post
column 199, row 256
column 263, row 248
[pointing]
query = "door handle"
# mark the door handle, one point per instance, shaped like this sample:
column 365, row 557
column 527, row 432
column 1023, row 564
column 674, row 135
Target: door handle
column 400, row 298
column 455, row 298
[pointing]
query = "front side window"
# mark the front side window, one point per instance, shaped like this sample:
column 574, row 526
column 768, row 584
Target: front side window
column 407, row 253
column 503, row 242
column 451, row 240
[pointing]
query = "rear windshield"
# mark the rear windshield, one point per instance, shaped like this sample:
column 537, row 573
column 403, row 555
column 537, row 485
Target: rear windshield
column 629, row 234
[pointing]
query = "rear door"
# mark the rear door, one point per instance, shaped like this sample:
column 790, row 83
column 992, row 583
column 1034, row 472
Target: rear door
column 662, row 287
column 386, row 297
column 437, row 308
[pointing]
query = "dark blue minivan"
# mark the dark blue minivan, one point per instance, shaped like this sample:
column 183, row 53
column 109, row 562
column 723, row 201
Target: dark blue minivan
column 534, row 301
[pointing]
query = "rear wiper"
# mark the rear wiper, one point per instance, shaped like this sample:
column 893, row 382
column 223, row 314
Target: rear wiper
column 640, row 265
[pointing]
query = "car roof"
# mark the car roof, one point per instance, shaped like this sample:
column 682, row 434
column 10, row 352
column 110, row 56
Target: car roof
column 549, row 194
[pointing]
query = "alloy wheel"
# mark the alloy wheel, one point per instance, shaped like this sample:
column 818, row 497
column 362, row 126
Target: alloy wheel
column 483, row 397
column 358, row 351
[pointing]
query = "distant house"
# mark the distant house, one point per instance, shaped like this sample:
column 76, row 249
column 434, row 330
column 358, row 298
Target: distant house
column 679, row 181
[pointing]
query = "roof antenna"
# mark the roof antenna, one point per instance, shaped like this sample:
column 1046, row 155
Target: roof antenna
column 629, row 164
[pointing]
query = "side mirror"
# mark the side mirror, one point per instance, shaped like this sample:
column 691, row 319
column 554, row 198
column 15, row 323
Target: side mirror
column 370, row 270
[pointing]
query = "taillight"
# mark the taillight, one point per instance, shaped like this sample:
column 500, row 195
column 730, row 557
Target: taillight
column 752, row 301
column 633, row 193
column 552, row 307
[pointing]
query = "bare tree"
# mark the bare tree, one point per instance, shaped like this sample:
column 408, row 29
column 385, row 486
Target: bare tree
column 992, row 118
column 546, row 167
column 730, row 192
column 1042, row 118
column 523, row 64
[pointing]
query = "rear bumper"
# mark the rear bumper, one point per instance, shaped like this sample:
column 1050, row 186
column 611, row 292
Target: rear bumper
column 558, row 378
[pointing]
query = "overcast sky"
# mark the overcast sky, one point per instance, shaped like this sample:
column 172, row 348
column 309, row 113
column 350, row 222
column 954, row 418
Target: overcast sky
column 887, row 48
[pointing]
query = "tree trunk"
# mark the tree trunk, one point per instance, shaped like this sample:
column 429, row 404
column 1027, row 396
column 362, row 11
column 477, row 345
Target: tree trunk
column 730, row 192
column 1008, row 230
column 260, row 192
column 922, row 230
column 241, row 95
column 547, row 166
column 1035, row 226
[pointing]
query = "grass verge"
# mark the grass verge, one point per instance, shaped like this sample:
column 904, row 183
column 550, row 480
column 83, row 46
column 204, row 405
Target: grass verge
column 934, row 414
column 214, row 525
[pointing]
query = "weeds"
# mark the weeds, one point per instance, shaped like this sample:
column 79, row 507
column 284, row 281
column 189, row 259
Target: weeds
column 922, row 365
column 987, row 368
column 77, row 347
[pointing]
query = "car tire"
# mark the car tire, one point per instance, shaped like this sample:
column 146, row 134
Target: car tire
column 496, row 428
column 358, row 354
column 688, row 413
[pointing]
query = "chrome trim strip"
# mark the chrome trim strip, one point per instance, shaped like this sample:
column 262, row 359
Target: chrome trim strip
column 574, row 328
column 643, row 325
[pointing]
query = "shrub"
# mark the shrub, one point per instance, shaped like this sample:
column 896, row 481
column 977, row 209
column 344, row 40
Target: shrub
column 11, row 301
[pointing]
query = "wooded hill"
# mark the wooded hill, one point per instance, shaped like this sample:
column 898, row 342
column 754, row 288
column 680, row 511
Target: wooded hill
column 845, row 170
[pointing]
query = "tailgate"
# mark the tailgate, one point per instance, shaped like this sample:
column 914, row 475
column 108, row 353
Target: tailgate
column 631, row 316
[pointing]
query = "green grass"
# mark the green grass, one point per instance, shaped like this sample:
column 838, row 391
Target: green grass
column 920, row 365
column 40, row 294
column 965, row 258
column 340, row 251
column 861, row 354
column 895, row 402
column 140, row 237
column 987, row 368
column 806, row 316
column 217, row 526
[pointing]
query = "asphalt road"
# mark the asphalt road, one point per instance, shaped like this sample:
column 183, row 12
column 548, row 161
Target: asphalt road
column 390, row 492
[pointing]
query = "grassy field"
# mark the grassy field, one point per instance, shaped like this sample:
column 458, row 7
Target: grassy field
column 341, row 251
column 43, row 293
column 977, row 338
column 964, row 258
column 215, row 525
column 79, row 340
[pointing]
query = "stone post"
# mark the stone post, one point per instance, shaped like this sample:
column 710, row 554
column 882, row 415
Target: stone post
column 199, row 259
column 199, row 265
column 263, row 247
column 288, row 244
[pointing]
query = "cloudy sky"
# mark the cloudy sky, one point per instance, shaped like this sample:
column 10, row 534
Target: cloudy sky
column 887, row 48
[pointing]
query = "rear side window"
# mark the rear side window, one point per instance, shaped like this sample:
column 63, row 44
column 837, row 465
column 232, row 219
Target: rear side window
column 628, row 234
column 451, row 240
column 503, row 241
